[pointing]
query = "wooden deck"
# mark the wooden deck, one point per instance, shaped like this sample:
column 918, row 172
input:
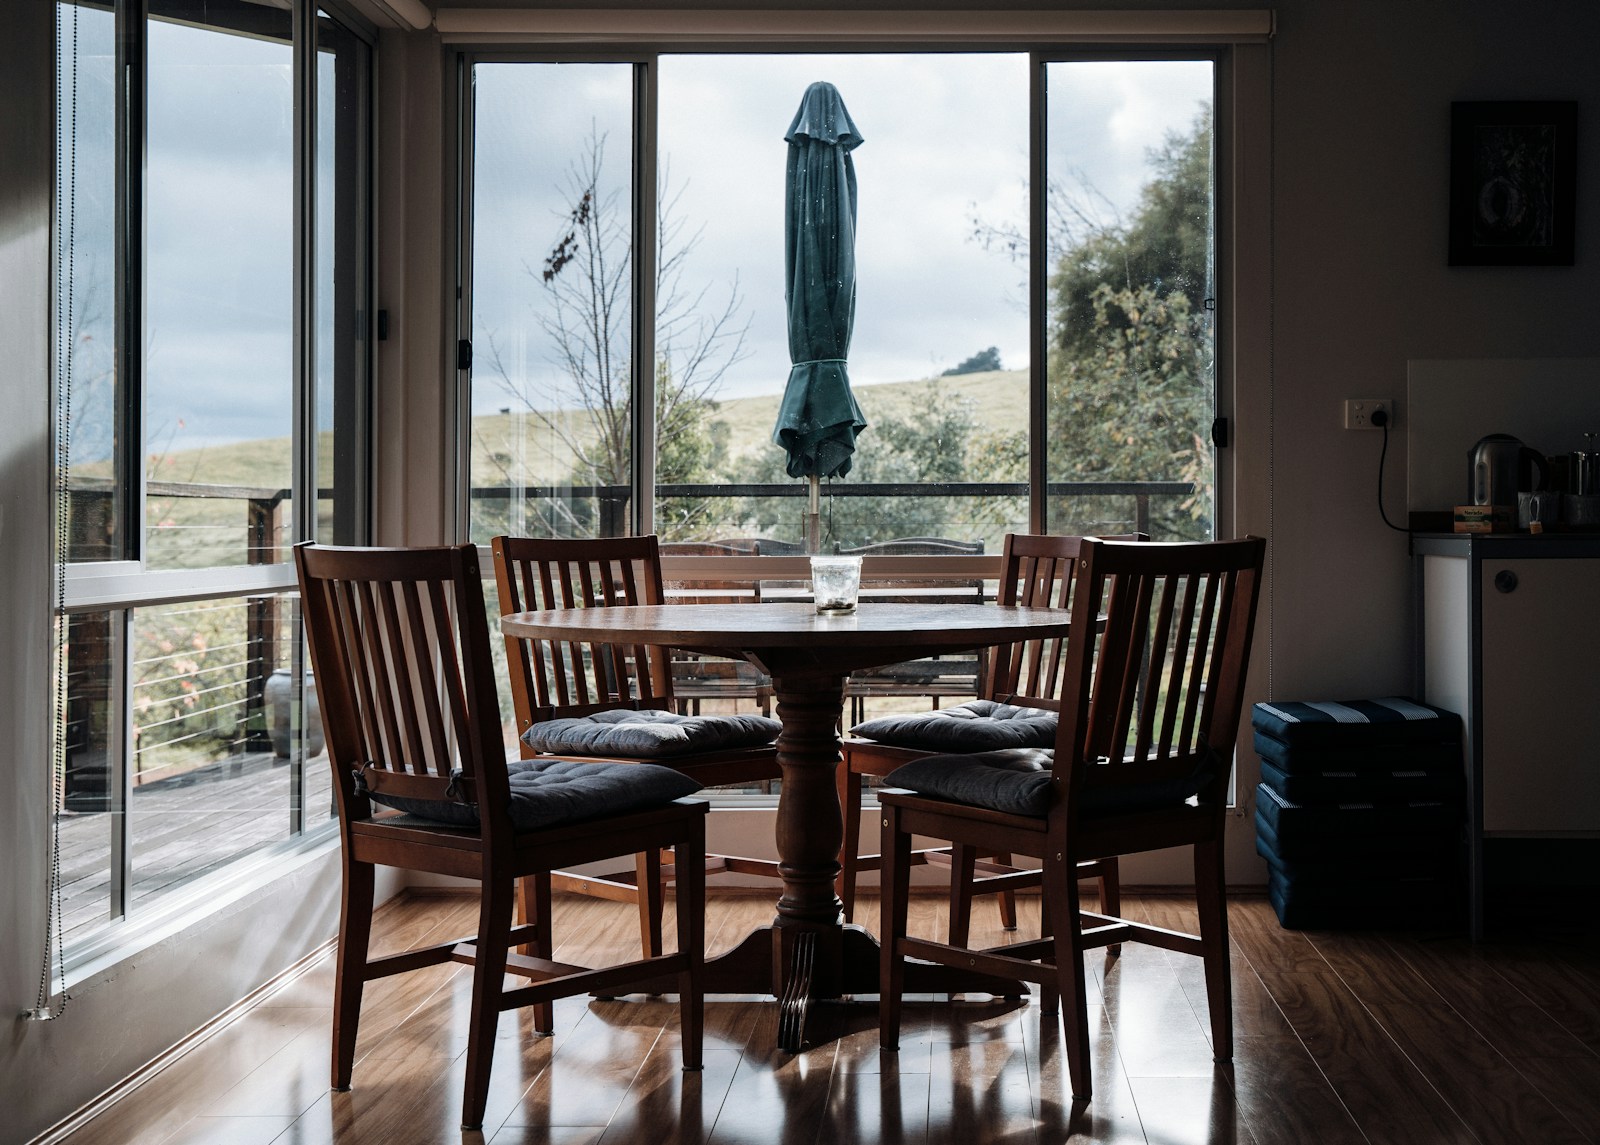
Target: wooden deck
column 183, row 827
column 1366, row 1039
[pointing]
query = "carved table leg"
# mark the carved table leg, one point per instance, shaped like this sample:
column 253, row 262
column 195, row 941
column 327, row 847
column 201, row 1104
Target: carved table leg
column 809, row 826
column 809, row 831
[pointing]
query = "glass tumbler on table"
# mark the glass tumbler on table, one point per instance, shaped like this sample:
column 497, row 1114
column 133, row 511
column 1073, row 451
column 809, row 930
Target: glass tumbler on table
column 835, row 583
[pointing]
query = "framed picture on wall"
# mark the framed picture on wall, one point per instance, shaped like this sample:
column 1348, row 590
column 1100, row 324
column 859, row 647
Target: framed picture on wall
column 1513, row 183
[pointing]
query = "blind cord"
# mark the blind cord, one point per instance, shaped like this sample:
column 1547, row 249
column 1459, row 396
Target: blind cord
column 45, row 1009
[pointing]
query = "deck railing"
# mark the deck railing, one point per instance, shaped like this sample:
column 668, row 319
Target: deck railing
column 225, row 689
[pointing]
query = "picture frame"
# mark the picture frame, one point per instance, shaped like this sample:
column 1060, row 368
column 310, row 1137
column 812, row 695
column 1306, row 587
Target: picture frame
column 1513, row 183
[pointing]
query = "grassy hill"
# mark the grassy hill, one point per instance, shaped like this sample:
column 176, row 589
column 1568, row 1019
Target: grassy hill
column 999, row 397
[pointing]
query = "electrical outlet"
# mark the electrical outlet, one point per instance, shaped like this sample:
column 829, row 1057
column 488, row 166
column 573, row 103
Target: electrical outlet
column 1358, row 412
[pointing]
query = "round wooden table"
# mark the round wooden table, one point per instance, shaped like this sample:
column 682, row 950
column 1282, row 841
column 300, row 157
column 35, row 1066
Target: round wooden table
column 807, row 951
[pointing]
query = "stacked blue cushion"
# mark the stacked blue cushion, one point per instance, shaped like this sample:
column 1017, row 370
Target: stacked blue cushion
column 1359, row 811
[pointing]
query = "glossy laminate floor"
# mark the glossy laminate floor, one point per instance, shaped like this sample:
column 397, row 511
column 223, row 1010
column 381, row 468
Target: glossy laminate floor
column 1410, row 1039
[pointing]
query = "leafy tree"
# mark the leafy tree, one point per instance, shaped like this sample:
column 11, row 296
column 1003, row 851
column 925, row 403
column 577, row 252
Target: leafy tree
column 587, row 277
column 937, row 443
column 981, row 362
column 1131, row 363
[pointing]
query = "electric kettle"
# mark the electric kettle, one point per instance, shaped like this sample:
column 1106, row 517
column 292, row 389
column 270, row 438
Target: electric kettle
column 1500, row 466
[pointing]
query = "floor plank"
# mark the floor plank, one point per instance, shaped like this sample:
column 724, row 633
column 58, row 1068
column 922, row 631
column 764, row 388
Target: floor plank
column 1339, row 1037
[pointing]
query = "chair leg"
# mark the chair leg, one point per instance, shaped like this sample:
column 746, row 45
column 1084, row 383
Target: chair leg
column 1061, row 893
column 1049, row 996
column 488, row 985
column 1211, row 900
column 895, row 875
column 691, row 914
column 963, row 867
column 849, row 784
column 1111, row 897
column 533, row 905
column 350, row 970
column 652, row 900
column 1008, row 901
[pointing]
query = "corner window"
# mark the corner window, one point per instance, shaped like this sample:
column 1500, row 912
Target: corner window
column 194, row 448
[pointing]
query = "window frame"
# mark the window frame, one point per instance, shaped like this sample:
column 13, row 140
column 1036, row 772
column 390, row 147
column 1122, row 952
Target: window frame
column 479, row 36
column 118, row 587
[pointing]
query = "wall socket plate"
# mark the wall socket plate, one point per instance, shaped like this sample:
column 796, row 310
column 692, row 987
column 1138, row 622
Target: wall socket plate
column 1358, row 412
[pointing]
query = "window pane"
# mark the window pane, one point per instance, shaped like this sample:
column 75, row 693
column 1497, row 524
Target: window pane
column 552, row 282
column 215, row 728
column 85, row 285
column 1132, row 367
column 91, row 811
column 938, row 354
column 341, row 279
column 218, row 347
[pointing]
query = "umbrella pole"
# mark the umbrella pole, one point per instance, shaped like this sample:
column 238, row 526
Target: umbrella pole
column 814, row 516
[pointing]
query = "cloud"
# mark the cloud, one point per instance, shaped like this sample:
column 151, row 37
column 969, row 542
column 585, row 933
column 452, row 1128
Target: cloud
column 946, row 142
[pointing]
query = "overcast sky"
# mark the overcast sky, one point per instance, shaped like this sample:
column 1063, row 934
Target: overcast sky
column 945, row 145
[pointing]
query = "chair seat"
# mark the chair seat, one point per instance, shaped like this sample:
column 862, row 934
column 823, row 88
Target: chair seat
column 649, row 734
column 549, row 792
column 977, row 725
column 1020, row 782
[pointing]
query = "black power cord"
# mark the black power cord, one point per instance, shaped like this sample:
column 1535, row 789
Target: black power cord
column 1380, row 418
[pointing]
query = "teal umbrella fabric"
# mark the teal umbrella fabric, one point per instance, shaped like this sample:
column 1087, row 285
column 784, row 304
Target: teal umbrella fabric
column 819, row 419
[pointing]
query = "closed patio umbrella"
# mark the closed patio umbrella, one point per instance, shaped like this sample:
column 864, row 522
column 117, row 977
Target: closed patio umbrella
column 819, row 419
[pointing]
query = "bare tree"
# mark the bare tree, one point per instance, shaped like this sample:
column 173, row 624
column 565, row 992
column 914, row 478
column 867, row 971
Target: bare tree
column 587, row 277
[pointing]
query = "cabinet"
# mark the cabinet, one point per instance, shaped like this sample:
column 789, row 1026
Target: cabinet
column 1508, row 636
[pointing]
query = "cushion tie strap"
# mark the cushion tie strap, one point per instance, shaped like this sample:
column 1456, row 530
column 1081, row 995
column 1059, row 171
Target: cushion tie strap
column 359, row 776
column 455, row 790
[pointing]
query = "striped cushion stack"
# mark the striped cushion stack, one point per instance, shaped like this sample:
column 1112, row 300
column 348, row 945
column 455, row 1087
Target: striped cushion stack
column 1359, row 811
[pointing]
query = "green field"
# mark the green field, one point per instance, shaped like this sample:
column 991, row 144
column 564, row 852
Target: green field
column 999, row 399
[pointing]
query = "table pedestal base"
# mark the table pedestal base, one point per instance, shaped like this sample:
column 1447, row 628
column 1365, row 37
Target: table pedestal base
column 802, row 964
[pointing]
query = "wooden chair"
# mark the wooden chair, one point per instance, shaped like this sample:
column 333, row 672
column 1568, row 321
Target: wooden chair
column 1037, row 572
column 1150, row 710
column 557, row 680
column 400, row 645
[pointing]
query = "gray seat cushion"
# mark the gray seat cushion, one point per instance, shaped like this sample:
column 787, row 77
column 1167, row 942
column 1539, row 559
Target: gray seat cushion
column 649, row 734
column 977, row 725
column 549, row 792
column 1017, row 782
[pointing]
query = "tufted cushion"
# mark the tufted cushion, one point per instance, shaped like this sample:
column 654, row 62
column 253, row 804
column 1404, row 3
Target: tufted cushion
column 545, row 793
column 1369, row 757
column 1353, row 785
column 1343, row 821
column 1355, row 723
column 1017, row 782
column 649, row 733
column 978, row 725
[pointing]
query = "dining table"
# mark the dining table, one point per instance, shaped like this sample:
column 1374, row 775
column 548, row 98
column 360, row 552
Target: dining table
column 808, row 952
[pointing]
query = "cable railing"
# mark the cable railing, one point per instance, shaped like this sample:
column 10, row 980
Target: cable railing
column 252, row 632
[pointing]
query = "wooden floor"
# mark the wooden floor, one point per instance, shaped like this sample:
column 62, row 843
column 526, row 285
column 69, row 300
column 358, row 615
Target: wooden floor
column 1408, row 1039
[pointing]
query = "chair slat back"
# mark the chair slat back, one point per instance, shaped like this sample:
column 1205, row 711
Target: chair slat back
column 552, row 679
column 399, row 643
column 1038, row 572
column 1153, row 698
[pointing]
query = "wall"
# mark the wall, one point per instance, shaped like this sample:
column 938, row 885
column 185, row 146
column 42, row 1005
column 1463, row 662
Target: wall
column 1362, row 110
